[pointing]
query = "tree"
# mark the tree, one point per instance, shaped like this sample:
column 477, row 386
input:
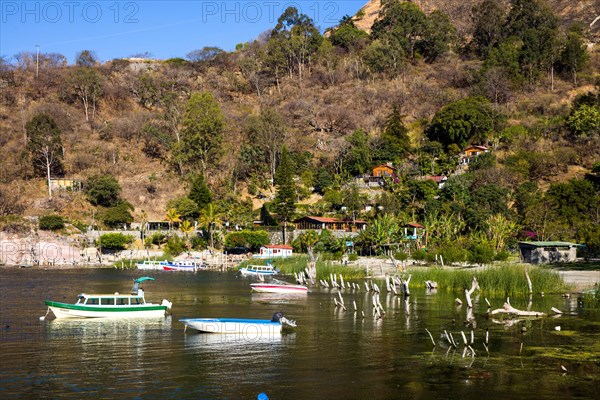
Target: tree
column 86, row 85
column 86, row 58
column 284, row 204
column 322, row 181
column 206, row 55
column 266, row 132
column 573, row 57
column 51, row 222
column 185, row 207
column 438, row 35
column 462, row 121
column 45, row 147
column 358, row 157
column 403, row 23
column 172, row 217
column 395, row 143
column 202, row 136
column 488, row 18
column 584, row 121
column 186, row 228
column 113, row 241
column 200, row 193
column 210, row 218
column 103, row 190
column 348, row 36
column 293, row 40
column 119, row 215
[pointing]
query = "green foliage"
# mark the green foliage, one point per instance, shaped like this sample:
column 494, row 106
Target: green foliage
column 488, row 18
column 322, row 180
column 348, row 36
column 395, row 143
column 44, row 145
column 51, row 222
column 114, row 241
column 358, row 157
column 284, row 204
column 158, row 238
column 202, row 135
column 103, row 190
column 464, row 121
column 175, row 246
column 584, row 121
column 186, row 207
column 480, row 253
column 252, row 240
column 118, row 216
column 86, row 58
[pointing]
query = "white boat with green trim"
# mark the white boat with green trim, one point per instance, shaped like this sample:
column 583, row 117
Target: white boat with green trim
column 114, row 305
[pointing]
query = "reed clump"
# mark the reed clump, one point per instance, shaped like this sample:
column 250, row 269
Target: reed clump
column 498, row 279
column 292, row 265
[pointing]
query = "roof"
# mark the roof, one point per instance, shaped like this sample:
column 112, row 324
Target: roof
column 279, row 246
column 436, row 178
column 475, row 146
column 331, row 220
column 414, row 225
column 549, row 244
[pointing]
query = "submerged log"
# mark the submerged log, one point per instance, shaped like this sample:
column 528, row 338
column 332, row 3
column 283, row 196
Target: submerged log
column 508, row 309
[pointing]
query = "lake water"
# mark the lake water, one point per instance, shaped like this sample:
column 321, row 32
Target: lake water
column 332, row 354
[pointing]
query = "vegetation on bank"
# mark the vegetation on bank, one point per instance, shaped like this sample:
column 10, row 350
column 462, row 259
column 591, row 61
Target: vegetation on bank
column 201, row 142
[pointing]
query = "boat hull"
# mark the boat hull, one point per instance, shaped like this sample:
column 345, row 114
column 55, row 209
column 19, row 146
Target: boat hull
column 233, row 325
column 274, row 288
column 65, row 310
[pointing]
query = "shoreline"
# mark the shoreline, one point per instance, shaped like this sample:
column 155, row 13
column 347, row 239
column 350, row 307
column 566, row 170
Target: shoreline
column 580, row 280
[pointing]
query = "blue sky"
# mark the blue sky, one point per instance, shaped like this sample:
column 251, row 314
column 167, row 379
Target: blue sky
column 162, row 28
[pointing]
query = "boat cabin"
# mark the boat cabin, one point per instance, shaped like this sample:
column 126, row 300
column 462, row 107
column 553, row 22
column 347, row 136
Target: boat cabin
column 110, row 299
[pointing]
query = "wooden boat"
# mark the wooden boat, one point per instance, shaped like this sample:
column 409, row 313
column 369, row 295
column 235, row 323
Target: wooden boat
column 238, row 325
column 278, row 287
column 258, row 270
column 114, row 305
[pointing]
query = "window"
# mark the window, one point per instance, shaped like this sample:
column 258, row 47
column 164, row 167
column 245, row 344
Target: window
column 107, row 301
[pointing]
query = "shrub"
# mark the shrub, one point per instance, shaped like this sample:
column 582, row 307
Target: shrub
column 51, row 222
column 114, row 241
column 103, row 190
column 118, row 216
column 252, row 240
column 481, row 254
column 175, row 246
column 158, row 238
column 352, row 257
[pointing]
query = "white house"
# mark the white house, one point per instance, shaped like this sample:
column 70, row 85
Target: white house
column 275, row 250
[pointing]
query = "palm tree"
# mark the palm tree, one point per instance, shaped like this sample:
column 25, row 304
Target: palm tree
column 172, row 216
column 186, row 227
column 210, row 218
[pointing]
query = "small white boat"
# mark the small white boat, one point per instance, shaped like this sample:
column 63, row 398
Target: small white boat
column 258, row 270
column 184, row 265
column 238, row 325
column 114, row 305
column 278, row 287
column 151, row 265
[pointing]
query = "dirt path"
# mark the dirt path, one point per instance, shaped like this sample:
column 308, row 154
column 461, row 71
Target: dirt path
column 581, row 280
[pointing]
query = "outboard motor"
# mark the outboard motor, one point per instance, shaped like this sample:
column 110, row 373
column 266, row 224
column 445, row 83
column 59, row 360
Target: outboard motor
column 278, row 317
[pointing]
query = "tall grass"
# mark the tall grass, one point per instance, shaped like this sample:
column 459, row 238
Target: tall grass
column 506, row 280
column 292, row 265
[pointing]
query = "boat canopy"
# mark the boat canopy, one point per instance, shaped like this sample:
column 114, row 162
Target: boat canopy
column 143, row 278
column 136, row 284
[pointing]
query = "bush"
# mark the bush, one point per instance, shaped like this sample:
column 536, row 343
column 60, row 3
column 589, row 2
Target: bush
column 481, row 254
column 175, row 246
column 103, row 190
column 252, row 240
column 51, row 222
column 158, row 238
column 352, row 257
column 118, row 216
column 114, row 241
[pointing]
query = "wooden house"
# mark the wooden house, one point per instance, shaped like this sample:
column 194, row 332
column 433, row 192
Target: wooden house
column 472, row 151
column 334, row 224
column 384, row 170
column 547, row 252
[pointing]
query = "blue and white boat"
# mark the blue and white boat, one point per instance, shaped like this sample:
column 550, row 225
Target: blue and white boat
column 258, row 270
column 239, row 325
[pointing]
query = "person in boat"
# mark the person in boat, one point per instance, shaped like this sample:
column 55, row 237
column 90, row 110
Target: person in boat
column 277, row 316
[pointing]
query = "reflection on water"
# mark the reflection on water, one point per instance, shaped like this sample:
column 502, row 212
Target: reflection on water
column 332, row 354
